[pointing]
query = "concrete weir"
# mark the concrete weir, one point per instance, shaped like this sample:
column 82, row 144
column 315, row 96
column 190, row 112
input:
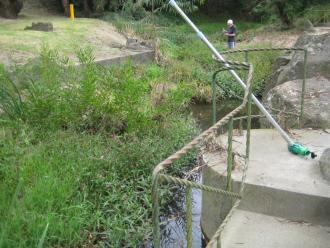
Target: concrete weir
column 286, row 202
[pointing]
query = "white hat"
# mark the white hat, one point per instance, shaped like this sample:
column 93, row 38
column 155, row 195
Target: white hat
column 230, row 22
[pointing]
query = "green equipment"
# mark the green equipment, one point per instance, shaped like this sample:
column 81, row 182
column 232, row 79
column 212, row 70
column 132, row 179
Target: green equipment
column 299, row 149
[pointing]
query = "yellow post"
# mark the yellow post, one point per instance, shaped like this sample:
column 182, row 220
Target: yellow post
column 71, row 11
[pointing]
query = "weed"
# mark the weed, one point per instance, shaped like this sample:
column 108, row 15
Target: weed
column 78, row 144
column 188, row 60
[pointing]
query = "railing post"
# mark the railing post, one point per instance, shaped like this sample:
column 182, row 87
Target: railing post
column 240, row 126
column 189, row 216
column 246, row 56
column 219, row 242
column 248, row 126
column 303, row 90
column 155, row 212
column 214, row 100
column 229, row 153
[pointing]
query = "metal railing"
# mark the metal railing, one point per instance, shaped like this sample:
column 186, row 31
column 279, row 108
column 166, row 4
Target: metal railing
column 246, row 56
column 159, row 173
column 160, row 178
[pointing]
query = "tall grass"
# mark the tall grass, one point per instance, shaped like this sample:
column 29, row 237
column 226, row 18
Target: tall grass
column 80, row 149
column 188, row 59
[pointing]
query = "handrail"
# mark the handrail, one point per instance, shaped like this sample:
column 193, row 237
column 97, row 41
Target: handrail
column 159, row 178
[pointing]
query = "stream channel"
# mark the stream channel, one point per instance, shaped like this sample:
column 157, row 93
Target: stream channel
column 173, row 231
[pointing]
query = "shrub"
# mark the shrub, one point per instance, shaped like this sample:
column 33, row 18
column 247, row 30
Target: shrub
column 10, row 8
column 77, row 155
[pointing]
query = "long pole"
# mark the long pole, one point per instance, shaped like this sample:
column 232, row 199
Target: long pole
column 219, row 56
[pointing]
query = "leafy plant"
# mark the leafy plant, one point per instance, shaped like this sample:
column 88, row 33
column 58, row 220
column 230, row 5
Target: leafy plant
column 82, row 148
column 163, row 5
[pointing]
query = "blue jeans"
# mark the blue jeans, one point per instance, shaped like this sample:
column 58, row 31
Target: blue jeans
column 231, row 44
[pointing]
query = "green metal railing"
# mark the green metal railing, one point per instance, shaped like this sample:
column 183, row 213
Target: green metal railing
column 159, row 173
column 246, row 56
column 160, row 178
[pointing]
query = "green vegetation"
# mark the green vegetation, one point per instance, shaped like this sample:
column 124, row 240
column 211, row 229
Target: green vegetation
column 78, row 146
column 317, row 14
column 186, row 58
column 66, row 37
column 287, row 12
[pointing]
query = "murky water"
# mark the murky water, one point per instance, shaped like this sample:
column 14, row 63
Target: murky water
column 174, row 231
column 202, row 112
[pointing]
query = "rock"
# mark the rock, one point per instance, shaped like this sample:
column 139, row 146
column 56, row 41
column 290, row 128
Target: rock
column 318, row 61
column 316, row 66
column 41, row 26
column 10, row 8
column 325, row 164
column 287, row 97
column 131, row 42
column 135, row 44
column 281, row 61
column 326, row 24
column 272, row 80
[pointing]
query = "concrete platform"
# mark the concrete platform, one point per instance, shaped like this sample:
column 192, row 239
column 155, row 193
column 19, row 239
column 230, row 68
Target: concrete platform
column 251, row 230
column 278, row 183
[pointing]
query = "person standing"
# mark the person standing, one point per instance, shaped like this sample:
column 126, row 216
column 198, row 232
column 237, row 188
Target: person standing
column 231, row 34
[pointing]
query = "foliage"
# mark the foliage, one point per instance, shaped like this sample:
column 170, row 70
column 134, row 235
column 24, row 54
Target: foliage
column 136, row 8
column 163, row 5
column 10, row 8
column 285, row 11
column 187, row 58
column 77, row 149
column 317, row 13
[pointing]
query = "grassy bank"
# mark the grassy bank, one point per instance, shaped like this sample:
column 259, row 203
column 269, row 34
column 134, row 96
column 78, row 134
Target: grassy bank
column 66, row 36
column 77, row 150
column 18, row 45
column 186, row 58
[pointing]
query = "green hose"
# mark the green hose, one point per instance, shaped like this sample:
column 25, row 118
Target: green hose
column 299, row 149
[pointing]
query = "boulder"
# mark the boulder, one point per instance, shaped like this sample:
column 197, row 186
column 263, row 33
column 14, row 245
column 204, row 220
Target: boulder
column 318, row 61
column 135, row 44
column 281, row 61
column 41, row 26
column 287, row 98
column 325, row 164
column 10, row 8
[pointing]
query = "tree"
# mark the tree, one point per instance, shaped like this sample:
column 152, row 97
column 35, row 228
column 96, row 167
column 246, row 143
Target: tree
column 162, row 5
column 284, row 10
column 99, row 6
column 10, row 8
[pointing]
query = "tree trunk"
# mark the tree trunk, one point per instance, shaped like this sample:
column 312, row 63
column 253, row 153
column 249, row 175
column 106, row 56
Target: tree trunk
column 87, row 9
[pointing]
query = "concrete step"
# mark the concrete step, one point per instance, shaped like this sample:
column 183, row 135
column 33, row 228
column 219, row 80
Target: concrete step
column 252, row 230
column 278, row 183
